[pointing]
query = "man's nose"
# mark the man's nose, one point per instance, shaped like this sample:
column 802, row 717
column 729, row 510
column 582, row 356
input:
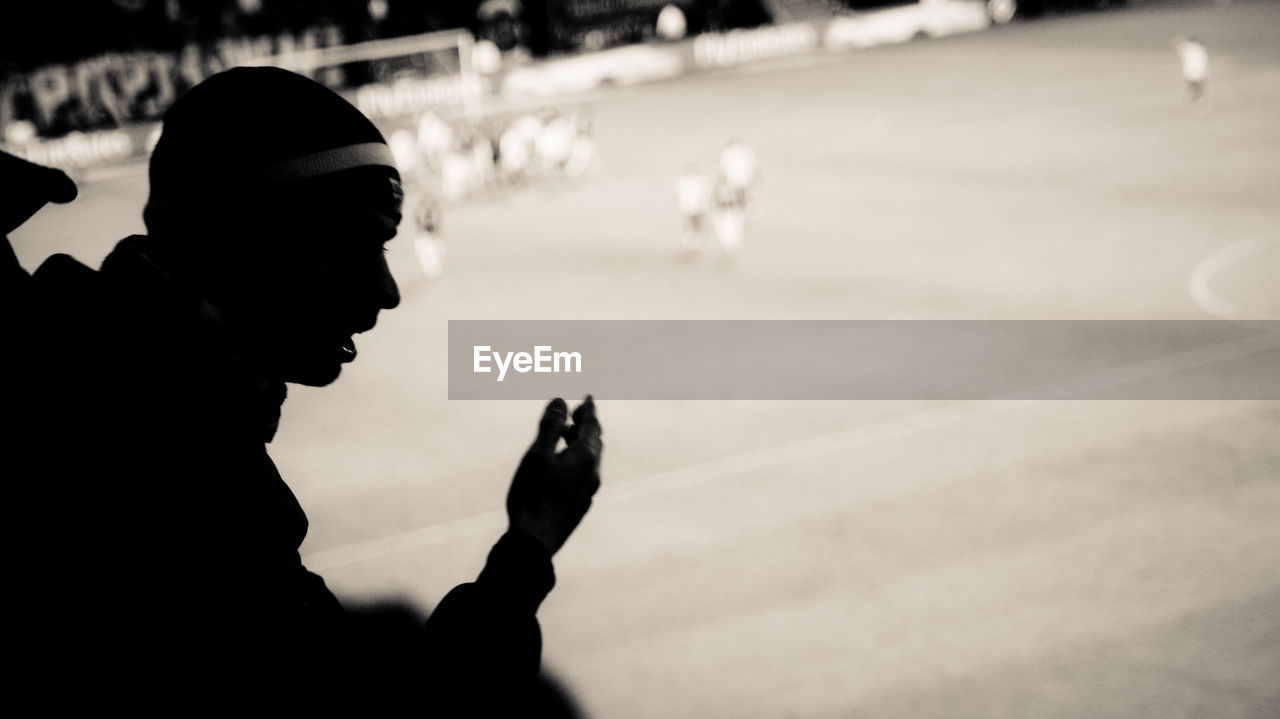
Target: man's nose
column 388, row 291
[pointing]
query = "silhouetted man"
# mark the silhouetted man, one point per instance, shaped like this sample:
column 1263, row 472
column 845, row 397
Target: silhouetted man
column 157, row 546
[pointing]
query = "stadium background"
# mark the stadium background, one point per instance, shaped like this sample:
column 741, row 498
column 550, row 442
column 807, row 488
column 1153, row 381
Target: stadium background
column 852, row 558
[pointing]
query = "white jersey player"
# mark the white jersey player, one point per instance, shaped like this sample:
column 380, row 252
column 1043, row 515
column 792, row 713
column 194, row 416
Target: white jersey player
column 554, row 144
column 456, row 175
column 435, row 139
column 421, row 209
column 730, row 218
column 582, row 152
column 693, row 197
column 738, row 171
column 738, row 164
column 516, row 147
column 1195, row 67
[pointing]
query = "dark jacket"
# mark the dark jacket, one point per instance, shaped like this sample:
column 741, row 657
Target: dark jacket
column 158, row 544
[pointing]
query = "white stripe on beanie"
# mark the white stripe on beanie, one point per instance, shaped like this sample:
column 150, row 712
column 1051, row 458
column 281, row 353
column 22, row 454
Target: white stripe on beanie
column 363, row 154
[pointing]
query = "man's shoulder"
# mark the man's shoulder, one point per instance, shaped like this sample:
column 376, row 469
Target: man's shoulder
column 64, row 272
column 62, row 275
column 66, row 292
column 63, row 291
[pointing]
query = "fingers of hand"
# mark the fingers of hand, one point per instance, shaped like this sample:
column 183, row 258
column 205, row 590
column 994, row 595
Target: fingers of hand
column 586, row 427
column 586, row 412
column 551, row 427
column 570, row 477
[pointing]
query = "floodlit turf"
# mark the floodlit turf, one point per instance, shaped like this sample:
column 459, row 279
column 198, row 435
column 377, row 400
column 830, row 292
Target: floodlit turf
column 837, row 559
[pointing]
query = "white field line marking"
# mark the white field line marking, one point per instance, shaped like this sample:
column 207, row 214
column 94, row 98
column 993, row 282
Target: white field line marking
column 406, row 541
column 673, row 479
column 106, row 173
column 796, row 451
column 1220, row 260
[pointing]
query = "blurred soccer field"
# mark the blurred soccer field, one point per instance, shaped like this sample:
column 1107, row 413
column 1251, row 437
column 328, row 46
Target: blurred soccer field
column 837, row 559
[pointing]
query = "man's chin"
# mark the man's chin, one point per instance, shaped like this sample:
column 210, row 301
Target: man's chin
column 315, row 375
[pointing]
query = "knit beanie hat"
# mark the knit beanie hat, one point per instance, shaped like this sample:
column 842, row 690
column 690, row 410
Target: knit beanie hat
column 247, row 134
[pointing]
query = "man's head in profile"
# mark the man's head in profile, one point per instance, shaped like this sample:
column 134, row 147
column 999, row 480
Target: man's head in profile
column 273, row 197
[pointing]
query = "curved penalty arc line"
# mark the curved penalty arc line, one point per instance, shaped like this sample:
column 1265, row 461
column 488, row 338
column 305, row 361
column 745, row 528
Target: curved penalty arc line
column 1233, row 253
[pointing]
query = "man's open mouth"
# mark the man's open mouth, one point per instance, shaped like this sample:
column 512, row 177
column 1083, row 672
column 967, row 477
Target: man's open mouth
column 348, row 350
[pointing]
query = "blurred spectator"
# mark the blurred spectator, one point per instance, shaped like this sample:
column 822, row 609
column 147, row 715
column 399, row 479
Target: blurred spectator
column 672, row 24
column 502, row 23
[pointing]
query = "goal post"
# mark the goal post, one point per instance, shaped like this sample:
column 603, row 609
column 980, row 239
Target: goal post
column 445, row 56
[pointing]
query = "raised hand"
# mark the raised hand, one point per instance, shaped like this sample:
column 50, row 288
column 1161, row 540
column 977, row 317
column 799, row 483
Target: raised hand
column 552, row 490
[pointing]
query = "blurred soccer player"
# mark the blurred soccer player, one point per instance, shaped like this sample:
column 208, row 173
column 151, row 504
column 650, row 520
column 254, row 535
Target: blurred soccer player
column 693, row 197
column 730, row 217
column 738, row 164
column 554, row 144
column 435, row 139
column 738, row 171
column 480, row 148
column 515, row 148
column 1195, row 67
column 457, row 174
column 421, row 208
column 582, row 152
column 428, row 246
